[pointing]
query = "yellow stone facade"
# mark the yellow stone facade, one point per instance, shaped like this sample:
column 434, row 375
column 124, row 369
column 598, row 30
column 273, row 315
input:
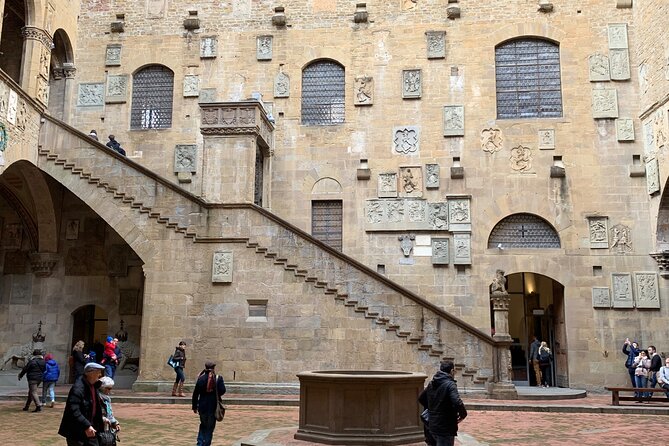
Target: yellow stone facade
column 305, row 163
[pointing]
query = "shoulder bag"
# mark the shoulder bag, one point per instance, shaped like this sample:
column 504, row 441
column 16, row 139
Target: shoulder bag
column 106, row 438
column 220, row 408
column 171, row 362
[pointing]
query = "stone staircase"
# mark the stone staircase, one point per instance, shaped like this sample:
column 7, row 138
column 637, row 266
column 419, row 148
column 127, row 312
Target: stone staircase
column 387, row 305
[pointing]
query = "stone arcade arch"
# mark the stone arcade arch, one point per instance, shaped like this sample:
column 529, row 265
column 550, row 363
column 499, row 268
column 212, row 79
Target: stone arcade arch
column 63, row 263
column 15, row 18
column 61, row 75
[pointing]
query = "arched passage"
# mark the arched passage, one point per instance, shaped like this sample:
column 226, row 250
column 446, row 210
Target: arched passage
column 537, row 309
column 61, row 74
column 11, row 39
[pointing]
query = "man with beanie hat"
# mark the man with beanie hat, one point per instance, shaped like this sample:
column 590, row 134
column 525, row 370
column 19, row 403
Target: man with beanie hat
column 204, row 403
column 82, row 416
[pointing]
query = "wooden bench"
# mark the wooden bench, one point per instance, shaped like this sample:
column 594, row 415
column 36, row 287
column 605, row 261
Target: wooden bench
column 616, row 398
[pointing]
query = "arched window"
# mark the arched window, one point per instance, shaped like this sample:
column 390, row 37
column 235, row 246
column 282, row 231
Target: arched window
column 152, row 91
column 527, row 74
column 323, row 93
column 523, row 231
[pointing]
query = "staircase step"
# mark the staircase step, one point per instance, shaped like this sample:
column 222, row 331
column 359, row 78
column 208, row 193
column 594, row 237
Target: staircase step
column 301, row 272
column 372, row 315
column 425, row 347
column 251, row 244
column 51, row 157
column 172, row 224
column 261, row 250
column 321, row 284
column 280, row 261
column 311, row 279
column 60, row 161
column 341, row 296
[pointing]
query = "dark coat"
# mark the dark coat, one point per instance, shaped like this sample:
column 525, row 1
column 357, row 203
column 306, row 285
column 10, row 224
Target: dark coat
column 205, row 402
column 179, row 357
column 444, row 405
column 631, row 353
column 655, row 363
column 79, row 362
column 78, row 410
column 34, row 369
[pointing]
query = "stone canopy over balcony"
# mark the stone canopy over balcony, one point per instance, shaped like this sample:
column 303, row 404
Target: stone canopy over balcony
column 238, row 118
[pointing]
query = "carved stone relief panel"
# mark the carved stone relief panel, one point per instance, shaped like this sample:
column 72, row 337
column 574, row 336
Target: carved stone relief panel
column 412, row 84
column 408, row 4
column 207, row 95
column 438, row 215
column 72, row 230
column 406, row 140
column 440, row 252
column 208, row 47
column 431, row 176
column 44, row 61
column 363, row 90
column 621, row 239
column 405, row 214
column 117, row 88
column 42, row 90
column 521, row 159
column 621, row 285
column 599, row 68
column 647, row 290
column 406, row 243
column 85, row 261
column 191, row 85
column 618, row 36
column 113, row 55
column 436, row 44
column 652, row 176
column 601, row 297
column 491, row 140
column 4, row 99
column 660, row 129
column 598, row 229
column 264, row 47
column 221, row 269
column 454, row 120
column 156, row 8
column 12, row 107
column 604, row 103
column 387, row 185
column 185, row 158
column 91, row 95
column 459, row 214
column 21, row 114
column 648, row 138
column 546, row 139
column 462, row 249
column 625, row 129
column 281, row 85
column 643, row 78
column 620, row 64
column 411, row 181
column 21, row 290
column 12, row 236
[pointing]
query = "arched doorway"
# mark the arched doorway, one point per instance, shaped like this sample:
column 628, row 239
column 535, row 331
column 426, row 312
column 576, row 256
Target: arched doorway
column 91, row 325
column 11, row 40
column 537, row 309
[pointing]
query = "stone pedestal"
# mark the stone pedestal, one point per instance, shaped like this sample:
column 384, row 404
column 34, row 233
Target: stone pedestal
column 502, row 387
column 500, row 308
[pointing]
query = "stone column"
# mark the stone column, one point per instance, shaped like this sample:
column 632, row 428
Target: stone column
column 69, row 72
column 233, row 131
column 502, row 387
column 37, row 46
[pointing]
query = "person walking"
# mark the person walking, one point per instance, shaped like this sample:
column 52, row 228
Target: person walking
column 534, row 359
column 34, row 369
column 51, row 375
column 79, row 360
column 179, row 359
column 82, row 417
column 109, row 421
column 631, row 349
column 209, row 385
column 545, row 358
column 445, row 408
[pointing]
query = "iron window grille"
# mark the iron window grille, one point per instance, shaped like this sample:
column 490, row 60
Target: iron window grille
column 527, row 74
column 152, row 94
column 323, row 94
column 523, row 231
column 326, row 222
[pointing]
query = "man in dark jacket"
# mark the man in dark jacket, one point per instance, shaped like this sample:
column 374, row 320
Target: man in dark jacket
column 115, row 145
column 445, row 408
column 204, row 401
column 82, row 417
column 655, row 365
column 35, row 370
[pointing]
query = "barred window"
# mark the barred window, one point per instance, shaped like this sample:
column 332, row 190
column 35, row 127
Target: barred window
column 527, row 74
column 523, row 231
column 152, row 91
column 326, row 222
column 323, row 93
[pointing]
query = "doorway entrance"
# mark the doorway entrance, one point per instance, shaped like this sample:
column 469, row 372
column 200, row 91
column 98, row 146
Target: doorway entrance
column 91, row 326
column 537, row 309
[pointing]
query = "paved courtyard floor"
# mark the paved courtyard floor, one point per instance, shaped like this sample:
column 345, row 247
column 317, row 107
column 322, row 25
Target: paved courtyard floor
column 176, row 425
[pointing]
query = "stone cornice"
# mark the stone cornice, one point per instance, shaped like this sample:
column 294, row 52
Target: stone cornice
column 238, row 118
column 34, row 33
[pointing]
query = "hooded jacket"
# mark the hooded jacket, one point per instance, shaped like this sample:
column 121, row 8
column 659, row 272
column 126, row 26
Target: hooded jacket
column 445, row 408
column 52, row 372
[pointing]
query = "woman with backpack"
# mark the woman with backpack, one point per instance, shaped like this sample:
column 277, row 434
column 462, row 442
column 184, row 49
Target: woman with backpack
column 50, row 377
column 545, row 358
